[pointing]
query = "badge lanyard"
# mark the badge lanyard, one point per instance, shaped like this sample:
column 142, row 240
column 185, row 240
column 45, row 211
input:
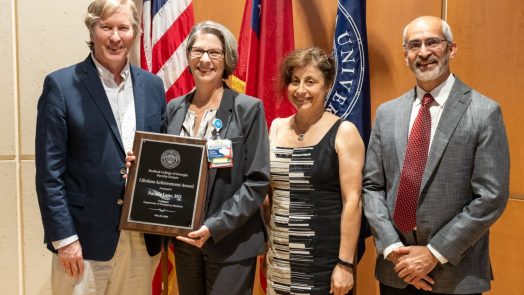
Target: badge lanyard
column 219, row 151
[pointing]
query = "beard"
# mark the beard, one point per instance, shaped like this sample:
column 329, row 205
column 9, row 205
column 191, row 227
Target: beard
column 431, row 74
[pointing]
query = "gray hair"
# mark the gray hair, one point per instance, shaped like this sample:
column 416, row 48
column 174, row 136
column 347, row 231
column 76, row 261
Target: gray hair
column 101, row 9
column 229, row 43
column 446, row 31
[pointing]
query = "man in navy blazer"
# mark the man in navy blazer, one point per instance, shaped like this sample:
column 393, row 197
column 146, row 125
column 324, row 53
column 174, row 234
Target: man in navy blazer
column 87, row 116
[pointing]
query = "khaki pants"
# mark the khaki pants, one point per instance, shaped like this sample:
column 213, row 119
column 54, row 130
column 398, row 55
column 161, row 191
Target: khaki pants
column 130, row 271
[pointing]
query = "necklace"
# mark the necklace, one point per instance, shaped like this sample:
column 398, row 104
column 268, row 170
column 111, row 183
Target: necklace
column 301, row 132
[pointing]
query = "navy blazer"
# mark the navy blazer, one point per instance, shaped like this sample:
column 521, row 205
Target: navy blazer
column 80, row 156
column 234, row 195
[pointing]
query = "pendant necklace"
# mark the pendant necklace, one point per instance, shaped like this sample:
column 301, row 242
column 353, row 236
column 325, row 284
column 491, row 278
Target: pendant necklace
column 301, row 132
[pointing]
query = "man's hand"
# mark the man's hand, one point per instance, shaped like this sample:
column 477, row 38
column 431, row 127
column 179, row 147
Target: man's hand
column 72, row 260
column 197, row 238
column 130, row 158
column 414, row 266
column 395, row 255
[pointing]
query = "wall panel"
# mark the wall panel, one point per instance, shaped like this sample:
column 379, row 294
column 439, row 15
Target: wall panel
column 228, row 13
column 51, row 35
column 7, row 85
column 37, row 259
column 507, row 238
column 9, row 230
column 490, row 39
column 314, row 23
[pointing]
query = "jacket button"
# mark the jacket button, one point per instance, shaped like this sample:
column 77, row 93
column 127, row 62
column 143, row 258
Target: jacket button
column 123, row 171
column 120, row 202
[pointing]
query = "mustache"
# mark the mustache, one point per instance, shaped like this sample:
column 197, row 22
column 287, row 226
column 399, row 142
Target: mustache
column 431, row 59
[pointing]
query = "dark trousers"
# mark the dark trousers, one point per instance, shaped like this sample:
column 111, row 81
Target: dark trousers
column 199, row 275
column 409, row 290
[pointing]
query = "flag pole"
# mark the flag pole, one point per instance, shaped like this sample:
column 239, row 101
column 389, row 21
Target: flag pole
column 163, row 262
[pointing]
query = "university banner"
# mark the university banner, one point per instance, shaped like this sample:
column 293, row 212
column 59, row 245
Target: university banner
column 349, row 97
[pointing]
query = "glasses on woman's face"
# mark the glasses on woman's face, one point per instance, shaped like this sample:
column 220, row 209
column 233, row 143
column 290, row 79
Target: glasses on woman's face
column 430, row 43
column 196, row 52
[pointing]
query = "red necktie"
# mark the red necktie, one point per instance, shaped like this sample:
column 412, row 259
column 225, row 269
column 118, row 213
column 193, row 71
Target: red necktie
column 405, row 215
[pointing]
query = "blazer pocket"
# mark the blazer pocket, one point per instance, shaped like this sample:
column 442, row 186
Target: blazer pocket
column 76, row 199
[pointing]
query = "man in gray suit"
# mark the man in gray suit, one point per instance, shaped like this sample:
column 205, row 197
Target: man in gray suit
column 436, row 175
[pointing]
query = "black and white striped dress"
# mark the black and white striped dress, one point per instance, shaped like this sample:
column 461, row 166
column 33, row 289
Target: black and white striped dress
column 305, row 222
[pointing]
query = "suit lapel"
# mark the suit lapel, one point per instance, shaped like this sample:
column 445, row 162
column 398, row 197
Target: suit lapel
column 456, row 104
column 225, row 110
column 92, row 83
column 140, row 98
column 402, row 125
column 224, row 114
column 180, row 112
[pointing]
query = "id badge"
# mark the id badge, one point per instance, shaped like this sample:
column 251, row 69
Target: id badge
column 219, row 153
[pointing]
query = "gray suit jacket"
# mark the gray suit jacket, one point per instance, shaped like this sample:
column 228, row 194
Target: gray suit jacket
column 234, row 195
column 464, row 187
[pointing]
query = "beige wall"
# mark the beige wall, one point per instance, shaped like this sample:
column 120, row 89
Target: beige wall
column 9, row 213
column 39, row 36
column 36, row 37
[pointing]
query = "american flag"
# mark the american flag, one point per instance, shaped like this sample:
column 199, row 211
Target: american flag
column 166, row 25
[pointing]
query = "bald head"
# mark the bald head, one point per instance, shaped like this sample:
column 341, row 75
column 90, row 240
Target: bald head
column 425, row 23
column 428, row 44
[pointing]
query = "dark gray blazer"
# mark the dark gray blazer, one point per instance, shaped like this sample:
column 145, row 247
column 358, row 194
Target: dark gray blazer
column 234, row 195
column 464, row 187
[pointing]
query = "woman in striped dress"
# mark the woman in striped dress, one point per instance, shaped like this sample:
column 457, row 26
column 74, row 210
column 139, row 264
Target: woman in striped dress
column 316, row 175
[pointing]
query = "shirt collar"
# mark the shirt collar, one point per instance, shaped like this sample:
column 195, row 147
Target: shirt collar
column 105, row 74
column 440, row 93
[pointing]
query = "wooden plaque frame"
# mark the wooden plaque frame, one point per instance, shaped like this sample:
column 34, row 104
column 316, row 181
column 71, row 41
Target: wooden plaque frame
column 166, row 186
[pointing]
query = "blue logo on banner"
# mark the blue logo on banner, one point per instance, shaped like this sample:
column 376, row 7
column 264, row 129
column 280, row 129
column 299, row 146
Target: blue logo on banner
column 349, row 53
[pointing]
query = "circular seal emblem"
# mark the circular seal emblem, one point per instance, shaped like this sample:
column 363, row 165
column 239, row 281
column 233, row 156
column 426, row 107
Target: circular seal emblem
column 170, row 159
column 349, row 52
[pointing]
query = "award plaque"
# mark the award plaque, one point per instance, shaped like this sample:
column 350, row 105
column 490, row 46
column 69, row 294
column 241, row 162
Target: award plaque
column 166, row 185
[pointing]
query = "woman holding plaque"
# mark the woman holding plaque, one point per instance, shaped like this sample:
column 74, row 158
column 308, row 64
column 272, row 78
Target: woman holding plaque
column 220, row 257
column 316, row 179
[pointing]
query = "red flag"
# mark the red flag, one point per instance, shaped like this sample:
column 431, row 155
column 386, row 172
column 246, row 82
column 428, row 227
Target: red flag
column 265, row 37
column 166, row 25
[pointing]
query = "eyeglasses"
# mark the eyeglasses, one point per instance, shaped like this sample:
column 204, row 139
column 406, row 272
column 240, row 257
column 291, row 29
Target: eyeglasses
column 430, row 43
column 196, row 52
